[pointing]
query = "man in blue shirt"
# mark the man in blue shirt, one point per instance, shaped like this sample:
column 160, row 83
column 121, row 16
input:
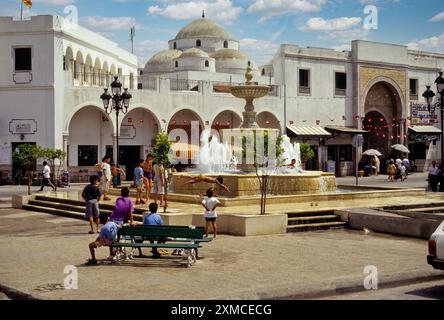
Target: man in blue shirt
column 153, row 219
column 138, row 181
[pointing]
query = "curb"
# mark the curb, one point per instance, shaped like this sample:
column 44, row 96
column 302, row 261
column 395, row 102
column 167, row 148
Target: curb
column 15, row 294
column 330, row 288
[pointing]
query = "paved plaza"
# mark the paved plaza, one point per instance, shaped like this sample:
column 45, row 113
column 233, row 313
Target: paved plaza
column 35, row 248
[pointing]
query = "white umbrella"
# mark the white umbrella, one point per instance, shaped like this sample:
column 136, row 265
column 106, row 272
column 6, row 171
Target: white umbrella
column 372, row 153
column 400, row 148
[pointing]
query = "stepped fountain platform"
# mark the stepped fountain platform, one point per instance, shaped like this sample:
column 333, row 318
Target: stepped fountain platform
column 247, row 185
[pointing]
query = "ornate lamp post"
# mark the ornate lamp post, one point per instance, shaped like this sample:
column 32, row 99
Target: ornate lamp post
column 120, row 103
column 429, row 95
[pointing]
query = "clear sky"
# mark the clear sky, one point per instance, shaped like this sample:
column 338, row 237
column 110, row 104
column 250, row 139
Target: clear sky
column 260, row 25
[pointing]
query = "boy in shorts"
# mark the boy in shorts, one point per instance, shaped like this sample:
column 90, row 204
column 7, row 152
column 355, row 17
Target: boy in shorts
column 138, row 181
column 210, row 203
column 91, row 195
column 105, row 239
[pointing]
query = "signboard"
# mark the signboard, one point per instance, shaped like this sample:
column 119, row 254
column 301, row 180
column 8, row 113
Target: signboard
column 23, row 126
column 5, row 154
column 421, row 115
column 127, row 132
column 420, row 137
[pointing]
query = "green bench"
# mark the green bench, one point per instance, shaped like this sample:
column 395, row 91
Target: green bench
column 174, row 238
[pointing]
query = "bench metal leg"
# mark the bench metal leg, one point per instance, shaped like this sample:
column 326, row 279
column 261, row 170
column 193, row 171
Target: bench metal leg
column 191, row 257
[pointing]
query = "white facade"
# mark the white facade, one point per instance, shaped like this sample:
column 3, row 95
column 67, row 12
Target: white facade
column 62, row 105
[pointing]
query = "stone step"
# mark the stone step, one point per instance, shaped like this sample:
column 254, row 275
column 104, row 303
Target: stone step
column 63, row 206
column 79, row 203
column 314, row 219
column 316, row 226
column 311, row 213
column 66, row 212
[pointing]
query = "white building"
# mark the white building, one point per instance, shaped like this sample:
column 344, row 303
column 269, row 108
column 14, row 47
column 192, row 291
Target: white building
column 53, row 75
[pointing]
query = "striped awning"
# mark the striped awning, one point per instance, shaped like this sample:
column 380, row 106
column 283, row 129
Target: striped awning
column 425, row 129
column 309, row 131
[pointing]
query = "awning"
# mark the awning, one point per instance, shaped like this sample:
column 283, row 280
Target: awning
column 309, row 131
column 347, row 130
column 425, row 129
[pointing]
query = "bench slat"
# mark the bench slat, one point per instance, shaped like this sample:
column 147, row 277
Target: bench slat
column 162, row 231
column 155, row 245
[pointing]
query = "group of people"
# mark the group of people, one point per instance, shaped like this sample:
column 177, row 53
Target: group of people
column 124, row 209
column 152, row 177
column 398, row 170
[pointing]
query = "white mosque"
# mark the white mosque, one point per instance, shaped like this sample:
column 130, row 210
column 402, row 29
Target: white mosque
column 54, row 73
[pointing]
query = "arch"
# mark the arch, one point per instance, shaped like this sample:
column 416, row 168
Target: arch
column 105, row 66
column 378, row 136
column 113, row 70
column 198, row 43
column 79, row 108
column 145, row 109
column 69, row 59
column 79, row 57
column 97, row 72
column 181, row 119
column 268, row 120
column 227, row 119
column 90, row 127
column 390, row 83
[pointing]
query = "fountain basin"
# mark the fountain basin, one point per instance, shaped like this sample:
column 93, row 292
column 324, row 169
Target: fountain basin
column 250, row 91
column 241, row 185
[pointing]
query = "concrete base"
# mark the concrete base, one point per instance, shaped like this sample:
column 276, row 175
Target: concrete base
column 236, row 225
column 19, row 200
column 390, row 223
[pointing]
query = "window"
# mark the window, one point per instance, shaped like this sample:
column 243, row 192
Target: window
column 65, row 67
column 177, row 64
column 225, row 44
column 304, row 81
column 175, row 45
column 198, row 43
column 207, row 63
column 87, row 156
column 340, row 83
column 23, row 59
column 263, row 72
column 413, row 89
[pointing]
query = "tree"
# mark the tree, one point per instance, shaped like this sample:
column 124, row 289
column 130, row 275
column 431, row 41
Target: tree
column 262, row 165
column 307, row 153
column 161, row 152
column 52, row 155
column 27, row 157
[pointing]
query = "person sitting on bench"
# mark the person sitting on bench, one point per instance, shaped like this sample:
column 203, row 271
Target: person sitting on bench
column 152, row 219
column 107, row 235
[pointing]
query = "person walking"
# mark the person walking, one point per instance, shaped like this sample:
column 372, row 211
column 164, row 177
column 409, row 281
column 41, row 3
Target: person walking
column 433, row 176
column 377, row 164
column 47, row 177
column 392, row 171
column 107, row 177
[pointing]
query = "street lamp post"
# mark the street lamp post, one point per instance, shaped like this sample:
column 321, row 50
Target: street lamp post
column 429, row 95
column 120, row 103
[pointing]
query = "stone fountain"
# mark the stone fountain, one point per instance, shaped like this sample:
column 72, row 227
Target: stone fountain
column 244, row 182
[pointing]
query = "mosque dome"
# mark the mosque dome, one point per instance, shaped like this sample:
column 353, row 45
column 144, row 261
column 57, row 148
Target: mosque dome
column 202, row 28
column 194, row 53
column 226, row 54
column 162, row 61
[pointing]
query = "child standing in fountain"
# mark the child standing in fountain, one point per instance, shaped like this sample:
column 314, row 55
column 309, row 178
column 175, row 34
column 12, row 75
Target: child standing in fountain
column 210, row 203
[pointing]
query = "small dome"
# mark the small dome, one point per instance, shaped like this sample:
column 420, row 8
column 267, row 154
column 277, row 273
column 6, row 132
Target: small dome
column 225, row 54
column 164, row 56
column 194, row 52
column 162, row 61
column 202, row 28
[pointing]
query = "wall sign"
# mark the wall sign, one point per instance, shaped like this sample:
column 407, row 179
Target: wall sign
column 421, row 115
column 127, row 132
column 23, row 126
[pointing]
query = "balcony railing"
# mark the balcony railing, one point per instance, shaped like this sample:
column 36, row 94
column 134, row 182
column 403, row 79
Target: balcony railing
column 184, row 85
